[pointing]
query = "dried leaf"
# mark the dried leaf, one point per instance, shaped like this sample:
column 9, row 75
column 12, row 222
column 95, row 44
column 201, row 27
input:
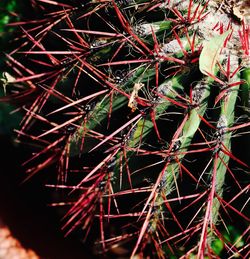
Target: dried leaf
column 132, row 102
column 7, row 79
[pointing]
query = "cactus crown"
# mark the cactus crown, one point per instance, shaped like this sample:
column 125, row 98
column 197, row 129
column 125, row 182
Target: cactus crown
column 137, row 103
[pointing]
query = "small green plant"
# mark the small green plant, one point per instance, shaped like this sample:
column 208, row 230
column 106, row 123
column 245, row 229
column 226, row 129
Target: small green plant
column 141, row 105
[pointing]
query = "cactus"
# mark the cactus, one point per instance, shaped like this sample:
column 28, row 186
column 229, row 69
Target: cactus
column 137, row 103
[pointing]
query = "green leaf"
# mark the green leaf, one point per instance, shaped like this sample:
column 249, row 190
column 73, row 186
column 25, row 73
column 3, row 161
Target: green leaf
column 217, row 246
column 210, row 53
column 245, row 88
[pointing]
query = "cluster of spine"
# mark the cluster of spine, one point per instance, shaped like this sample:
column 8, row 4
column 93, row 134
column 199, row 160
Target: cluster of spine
column 138, row 118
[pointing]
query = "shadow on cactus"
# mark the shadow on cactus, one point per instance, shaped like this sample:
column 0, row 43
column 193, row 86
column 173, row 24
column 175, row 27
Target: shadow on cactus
column 144, row 108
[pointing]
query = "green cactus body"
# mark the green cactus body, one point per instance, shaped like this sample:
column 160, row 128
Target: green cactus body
column 139, row 102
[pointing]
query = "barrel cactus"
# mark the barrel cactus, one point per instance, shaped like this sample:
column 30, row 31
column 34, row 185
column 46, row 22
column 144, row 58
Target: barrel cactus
column 140, row 108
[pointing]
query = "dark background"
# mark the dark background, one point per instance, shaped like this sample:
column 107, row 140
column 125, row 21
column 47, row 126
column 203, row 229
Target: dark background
column 24, row 207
